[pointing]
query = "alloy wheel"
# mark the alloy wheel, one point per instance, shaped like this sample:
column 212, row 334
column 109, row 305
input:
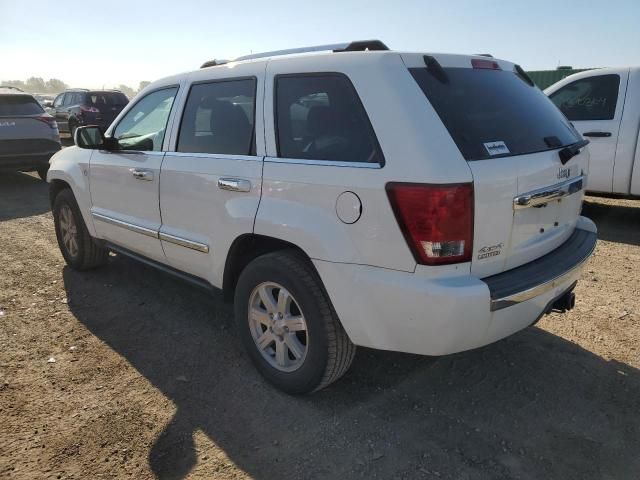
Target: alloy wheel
column 278, row 326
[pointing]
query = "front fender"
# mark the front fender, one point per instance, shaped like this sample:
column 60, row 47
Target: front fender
column 71, row 165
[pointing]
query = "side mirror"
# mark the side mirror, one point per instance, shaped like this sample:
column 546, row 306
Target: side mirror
column 47, row 104
column 90, row 137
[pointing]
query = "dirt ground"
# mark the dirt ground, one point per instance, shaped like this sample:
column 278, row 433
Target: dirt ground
column 127, row 373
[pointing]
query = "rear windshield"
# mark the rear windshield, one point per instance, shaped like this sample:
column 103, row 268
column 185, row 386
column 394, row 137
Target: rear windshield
column 107, row 98
column 491, row 113
column 16, row 105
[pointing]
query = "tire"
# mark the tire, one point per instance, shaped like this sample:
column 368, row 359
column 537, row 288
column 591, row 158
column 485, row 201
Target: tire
column 82, row 252
column 327, row 350
column 42, row 173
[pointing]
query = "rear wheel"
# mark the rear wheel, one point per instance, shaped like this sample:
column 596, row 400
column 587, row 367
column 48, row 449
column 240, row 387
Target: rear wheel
column 288, row 325
column 79, row 249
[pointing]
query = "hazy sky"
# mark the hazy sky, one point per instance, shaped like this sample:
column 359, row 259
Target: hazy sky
column 91, row 44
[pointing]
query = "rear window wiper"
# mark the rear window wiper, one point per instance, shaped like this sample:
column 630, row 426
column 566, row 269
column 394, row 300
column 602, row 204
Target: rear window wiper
column 570, row 151
column 435, row 69
column 523, row 75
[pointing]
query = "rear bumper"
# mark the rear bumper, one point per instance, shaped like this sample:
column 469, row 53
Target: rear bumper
column 27, row 154
column 562, row 265
column 26, row 161
column 392, row 310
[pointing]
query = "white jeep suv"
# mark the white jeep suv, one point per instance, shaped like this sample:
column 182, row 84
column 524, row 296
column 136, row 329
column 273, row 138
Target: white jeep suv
column 341, row 195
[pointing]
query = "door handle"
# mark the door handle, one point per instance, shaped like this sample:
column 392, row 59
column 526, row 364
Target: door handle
column 596, row 134
column 141, row 174
column 234, row 184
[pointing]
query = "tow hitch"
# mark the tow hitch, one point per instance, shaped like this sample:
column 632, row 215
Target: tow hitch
column 565, row 303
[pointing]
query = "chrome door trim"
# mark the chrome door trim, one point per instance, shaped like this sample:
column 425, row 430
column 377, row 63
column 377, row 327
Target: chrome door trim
column 126, row 225
column 221, row 156
column 326, row 163
column 541, row 196
column 184, row 242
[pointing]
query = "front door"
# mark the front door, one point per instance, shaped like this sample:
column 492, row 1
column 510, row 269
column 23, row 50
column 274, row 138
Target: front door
column 125, row 181
column 210, row 186
column 594, row 105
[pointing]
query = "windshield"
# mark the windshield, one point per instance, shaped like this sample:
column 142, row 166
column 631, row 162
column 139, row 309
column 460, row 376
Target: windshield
column 107, row 99
column 491, row 113
column 18, row 105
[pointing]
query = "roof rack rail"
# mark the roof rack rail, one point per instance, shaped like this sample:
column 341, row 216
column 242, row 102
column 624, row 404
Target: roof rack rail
column 213, row 63
column 355, row 46
column 11, row 87
column 483, row 55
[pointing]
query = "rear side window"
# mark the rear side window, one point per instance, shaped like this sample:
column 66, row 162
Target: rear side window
column 219, row 118
column 491, row 113
column 107, row 99
column 16, row 105
column 592, row 98
column 320, row 117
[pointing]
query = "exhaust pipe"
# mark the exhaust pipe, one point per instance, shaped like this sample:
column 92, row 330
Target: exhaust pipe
column 565, row 303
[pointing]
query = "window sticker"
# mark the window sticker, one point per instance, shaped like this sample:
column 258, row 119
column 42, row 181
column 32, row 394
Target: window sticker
column 496, row 148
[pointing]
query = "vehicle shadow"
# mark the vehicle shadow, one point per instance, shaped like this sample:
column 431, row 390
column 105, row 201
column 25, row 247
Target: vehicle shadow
column 619, row 222
column 22, row 195
column 532, row 406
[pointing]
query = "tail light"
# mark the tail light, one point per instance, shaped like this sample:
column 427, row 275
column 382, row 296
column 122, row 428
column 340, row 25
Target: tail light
column 49, row 120
column 84, row 108
column 436, row 220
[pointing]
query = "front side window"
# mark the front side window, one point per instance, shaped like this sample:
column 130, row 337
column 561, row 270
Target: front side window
column 59, row 99
column 320, row 117
column 144, row 126
column 219, row 118
column 592, row 98
column 69, row 98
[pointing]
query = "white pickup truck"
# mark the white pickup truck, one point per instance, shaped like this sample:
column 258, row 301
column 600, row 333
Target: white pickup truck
column 604, row 106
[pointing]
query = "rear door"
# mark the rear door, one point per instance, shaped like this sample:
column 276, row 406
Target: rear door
column 210, row 185
column 510, row 134
column 125, row 182
column 594, row 105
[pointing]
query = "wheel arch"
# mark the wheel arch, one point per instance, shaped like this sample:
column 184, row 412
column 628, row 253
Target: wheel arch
column 69, row 168
column 56, row 185
column 246, row 248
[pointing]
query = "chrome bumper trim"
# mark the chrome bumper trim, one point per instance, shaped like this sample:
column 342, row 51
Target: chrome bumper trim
column 126, row 225
column 183, row 242
column 541, row 196
column 565, row 277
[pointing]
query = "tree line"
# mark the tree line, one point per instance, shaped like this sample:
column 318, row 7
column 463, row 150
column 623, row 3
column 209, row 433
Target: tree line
column 55, row 85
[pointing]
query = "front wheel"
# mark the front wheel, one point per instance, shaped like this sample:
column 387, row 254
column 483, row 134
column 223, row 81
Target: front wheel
column 288, row 325
column 79, row 249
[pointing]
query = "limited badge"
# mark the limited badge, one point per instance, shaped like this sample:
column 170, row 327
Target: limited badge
column 496, row 148
column 490, row 251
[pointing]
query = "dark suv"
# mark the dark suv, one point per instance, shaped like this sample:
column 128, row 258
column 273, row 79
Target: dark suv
column 28, row 135
column 78, row 107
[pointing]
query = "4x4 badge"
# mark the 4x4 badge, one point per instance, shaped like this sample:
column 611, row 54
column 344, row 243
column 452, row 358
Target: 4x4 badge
column 490, row 251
